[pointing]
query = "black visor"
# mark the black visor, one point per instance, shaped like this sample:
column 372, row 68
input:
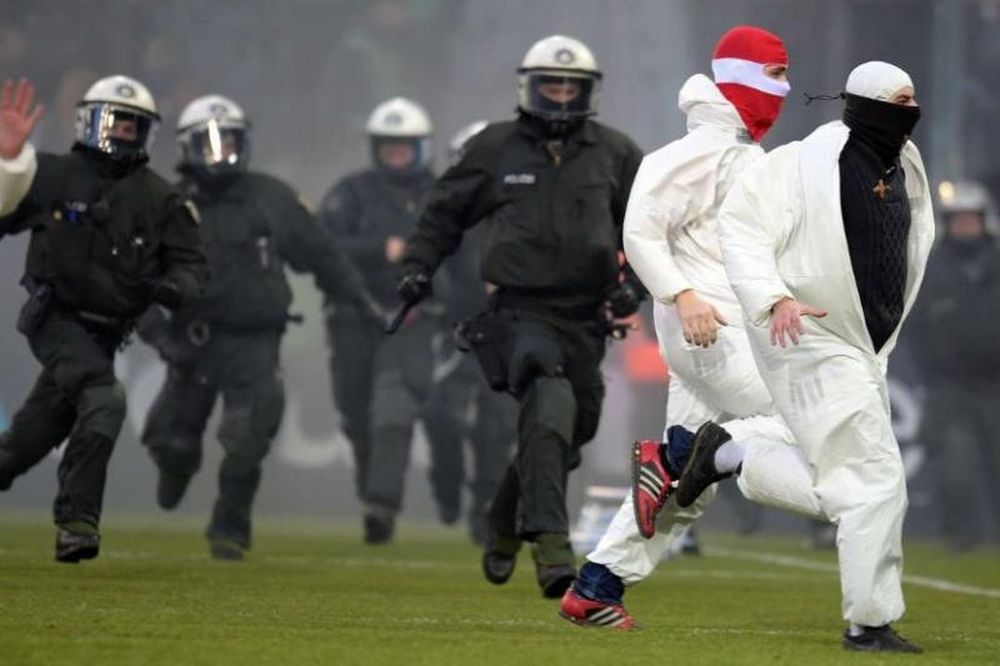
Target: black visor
column 215, row 146
column 558, row 96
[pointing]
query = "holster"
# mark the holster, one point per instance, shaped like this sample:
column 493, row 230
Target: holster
column 36, row 310
column 488, row 336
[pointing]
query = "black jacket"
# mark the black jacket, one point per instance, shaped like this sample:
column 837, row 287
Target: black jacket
column 253, row 226
column 551, row 217
column 366, row 208
column 103, row 236
column 955, row 325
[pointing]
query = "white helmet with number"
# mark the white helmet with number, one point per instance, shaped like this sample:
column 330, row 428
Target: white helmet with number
column 968, row 196
column 400, row 120
column 117, row 116
column 558, row 60
column 461, row 138
column 213, row 134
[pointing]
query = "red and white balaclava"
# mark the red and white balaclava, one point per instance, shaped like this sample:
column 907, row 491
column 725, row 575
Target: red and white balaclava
column 738, row 67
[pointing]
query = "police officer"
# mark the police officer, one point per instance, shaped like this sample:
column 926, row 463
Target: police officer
column 253, row 225
column 461, row 406
column 955, row 340
column 550, row 190
column 381, row 384
column 109, row 237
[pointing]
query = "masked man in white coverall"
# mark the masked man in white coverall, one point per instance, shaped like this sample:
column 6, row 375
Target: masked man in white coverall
column 825, row 241
column 671, row 239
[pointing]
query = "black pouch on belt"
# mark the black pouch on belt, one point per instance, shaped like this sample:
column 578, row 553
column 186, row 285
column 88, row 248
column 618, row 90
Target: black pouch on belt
column 487, row 335
column 34, row 312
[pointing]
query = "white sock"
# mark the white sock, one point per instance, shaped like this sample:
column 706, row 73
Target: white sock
column 729, row 457
column 854, row 629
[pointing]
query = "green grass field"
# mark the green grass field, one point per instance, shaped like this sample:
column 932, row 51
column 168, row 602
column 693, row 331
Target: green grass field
column 312, row 596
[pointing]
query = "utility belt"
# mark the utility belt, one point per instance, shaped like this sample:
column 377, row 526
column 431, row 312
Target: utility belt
column 544, row 301
column 200, row 332
column 491, row 336
column 42, row 301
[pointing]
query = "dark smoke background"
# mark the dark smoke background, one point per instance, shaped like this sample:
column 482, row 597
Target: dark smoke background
column 308, row 72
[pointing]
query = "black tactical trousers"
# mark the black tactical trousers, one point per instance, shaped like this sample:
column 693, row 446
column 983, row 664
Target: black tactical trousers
column 404, row 367
column 244, row 369
column 462, row 407
column 556, row 362
column 352, row 371
column 76, row 396
column 960, row 427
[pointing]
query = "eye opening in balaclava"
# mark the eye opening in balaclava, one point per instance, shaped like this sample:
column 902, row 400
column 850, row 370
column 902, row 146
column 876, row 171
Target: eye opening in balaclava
column 738, row 68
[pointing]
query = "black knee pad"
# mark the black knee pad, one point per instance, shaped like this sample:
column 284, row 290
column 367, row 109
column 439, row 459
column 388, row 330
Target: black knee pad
column 177, row 454
column 549, row 403
column 244, row 440
column 101, row 410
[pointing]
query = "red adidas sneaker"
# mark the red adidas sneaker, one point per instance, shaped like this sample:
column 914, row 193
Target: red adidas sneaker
column 585, row 612
column 652, row 484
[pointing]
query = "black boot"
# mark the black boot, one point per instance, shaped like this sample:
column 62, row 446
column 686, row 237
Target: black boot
column 379, row 528
column 879, row 639
column 170, row 489
column 555, row 568
column 700, row 471
column 71, row 547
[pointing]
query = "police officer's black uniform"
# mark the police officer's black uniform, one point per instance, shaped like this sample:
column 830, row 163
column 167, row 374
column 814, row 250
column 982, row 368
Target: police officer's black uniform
column 253, row 225
column 954, row 334
column 551, row 200
column 461, row 407
column 381, row 384
column 109, row 237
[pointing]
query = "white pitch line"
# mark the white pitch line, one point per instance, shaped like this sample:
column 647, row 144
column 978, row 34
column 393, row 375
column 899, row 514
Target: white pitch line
column 800, row 563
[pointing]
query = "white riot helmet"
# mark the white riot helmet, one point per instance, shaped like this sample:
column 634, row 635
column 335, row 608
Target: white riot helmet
column 967, row 196
column 400, row 120
column 118, row 117
column 558, row 60
column 461, row 138
column 213, row 134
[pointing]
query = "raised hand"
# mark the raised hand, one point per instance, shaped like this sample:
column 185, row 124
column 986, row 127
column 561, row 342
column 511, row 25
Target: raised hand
column 18, row 116
column 786, row 318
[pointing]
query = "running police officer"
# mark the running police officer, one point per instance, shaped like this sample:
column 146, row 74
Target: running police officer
column 550, row 189
column 109, row 238
column 381, row 384
column 228, row 343
column 461, row 406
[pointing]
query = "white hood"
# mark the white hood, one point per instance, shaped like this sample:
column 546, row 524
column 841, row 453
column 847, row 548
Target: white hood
column 705, row 104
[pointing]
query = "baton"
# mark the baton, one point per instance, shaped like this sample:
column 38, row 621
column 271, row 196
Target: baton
column 397, row 319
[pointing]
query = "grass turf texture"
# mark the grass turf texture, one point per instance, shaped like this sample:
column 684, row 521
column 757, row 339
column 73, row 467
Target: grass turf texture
column 309, row 596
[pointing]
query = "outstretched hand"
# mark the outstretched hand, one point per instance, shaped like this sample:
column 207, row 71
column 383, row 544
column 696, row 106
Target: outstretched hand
column 18, row 116
column 700, row 319
column 786, row 318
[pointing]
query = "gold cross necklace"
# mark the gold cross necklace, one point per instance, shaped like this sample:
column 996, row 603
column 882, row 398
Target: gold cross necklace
column 881, row 188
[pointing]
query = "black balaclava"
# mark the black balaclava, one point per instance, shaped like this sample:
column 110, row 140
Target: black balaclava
column 883, row 126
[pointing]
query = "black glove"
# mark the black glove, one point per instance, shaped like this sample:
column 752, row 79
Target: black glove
column 624, row 300
column 414, row 286
column 166, row 294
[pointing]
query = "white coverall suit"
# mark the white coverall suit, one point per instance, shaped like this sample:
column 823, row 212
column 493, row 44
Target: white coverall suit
column 671, row 240
column 16, row 176
column 782, row 234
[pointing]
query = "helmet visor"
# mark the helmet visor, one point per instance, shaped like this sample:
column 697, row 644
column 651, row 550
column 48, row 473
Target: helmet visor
column 119, row 131
column 215, row 145
column 560, row 96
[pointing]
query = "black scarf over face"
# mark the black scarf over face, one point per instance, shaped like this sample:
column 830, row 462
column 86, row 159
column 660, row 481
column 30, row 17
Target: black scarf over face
column 883, row 126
